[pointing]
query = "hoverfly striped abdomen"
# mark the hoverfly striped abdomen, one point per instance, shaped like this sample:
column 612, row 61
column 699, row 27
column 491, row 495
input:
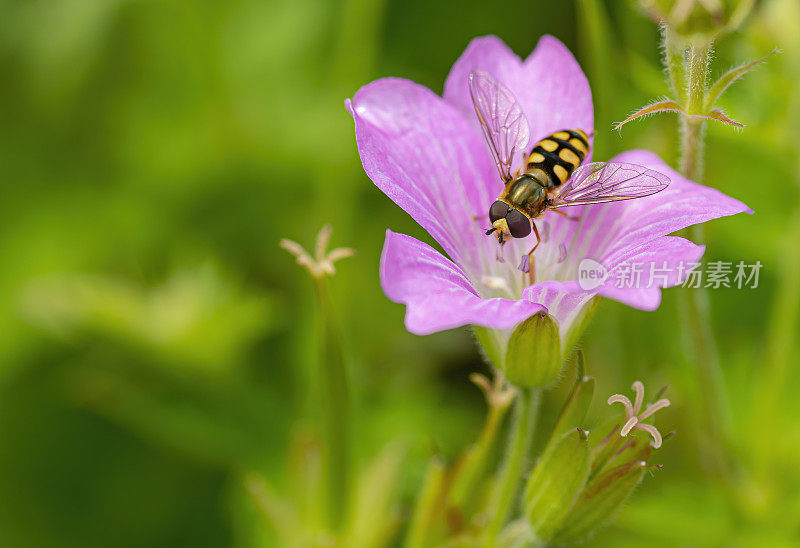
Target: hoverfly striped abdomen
column 558, row 154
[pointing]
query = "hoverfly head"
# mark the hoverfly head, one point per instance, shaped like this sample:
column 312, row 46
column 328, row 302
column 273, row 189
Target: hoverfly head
column 507, row 222
column 497, row 216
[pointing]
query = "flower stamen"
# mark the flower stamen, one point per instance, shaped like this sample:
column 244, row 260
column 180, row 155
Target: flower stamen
column 562, row 253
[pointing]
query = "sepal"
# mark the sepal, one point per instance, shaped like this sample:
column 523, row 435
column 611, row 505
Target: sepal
column 556, row 482
column 724, row 81
column 601, row 500
column 533, row 356
column 573, row 413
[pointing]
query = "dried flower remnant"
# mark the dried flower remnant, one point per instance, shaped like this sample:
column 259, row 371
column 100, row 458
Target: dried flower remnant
column 334, row 400
column 633, row 416
column 321, row 264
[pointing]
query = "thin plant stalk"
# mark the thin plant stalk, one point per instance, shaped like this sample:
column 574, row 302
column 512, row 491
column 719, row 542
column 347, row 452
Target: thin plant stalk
column 504, row 494
column 335, row 401
column 476, row 460
column 781, row 339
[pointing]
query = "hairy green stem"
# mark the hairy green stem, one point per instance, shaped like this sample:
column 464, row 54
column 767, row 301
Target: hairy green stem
column 692, row 148
column 335, row 411
column 698, row 335
column 505, row 490
column 696, row 61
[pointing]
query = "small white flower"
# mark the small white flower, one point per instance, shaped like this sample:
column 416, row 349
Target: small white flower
column 634, row 418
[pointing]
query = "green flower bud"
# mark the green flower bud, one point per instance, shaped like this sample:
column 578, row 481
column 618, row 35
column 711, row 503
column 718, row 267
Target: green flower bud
column 601, row 500
column 698, row 20
column 556, row 482
column 533, row 357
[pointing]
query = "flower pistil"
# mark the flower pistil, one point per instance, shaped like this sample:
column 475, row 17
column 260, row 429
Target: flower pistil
column 633, row 417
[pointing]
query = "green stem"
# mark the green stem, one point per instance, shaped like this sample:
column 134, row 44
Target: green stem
column 476, row 460
column 698, row 334
column 335, row 398
column 692, row 148
column 781, row 339
column 696, row 62
column 504, row 494
column 598, row 47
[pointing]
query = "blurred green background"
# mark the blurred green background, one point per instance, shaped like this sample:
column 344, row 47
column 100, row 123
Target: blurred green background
column 156, row 343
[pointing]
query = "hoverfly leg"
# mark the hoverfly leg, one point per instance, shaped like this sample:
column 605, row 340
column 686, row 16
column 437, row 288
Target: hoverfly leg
column 480, row 217
column 570, row 217
column 528, row 264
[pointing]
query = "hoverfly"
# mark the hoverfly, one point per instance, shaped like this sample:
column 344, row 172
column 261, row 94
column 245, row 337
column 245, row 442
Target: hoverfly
column 537, row 186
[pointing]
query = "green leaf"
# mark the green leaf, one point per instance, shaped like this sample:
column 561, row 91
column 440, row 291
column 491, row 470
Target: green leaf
column 574, row 411
column 720, row 116
column 426, row 521
column 556, row 482
column 601, row 500
column 373, row 518
column 667, row 105
column 277, row 511
column 533, row 358
column 724, row 81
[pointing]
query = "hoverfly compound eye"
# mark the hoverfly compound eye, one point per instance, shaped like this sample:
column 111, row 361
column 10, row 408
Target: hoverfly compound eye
column 518, row 224
column 498, row 211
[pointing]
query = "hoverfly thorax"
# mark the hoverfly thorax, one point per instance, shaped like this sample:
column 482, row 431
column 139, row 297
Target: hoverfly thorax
column 527, row 193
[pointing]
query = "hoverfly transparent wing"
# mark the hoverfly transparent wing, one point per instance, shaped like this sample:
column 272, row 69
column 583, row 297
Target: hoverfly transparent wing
column 503, row 123
column 601, row 182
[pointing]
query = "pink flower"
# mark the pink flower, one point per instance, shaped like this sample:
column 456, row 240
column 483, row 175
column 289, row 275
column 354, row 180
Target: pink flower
column 428, row 155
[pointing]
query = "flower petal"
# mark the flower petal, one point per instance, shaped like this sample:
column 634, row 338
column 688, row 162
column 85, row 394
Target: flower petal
column 563, row 300
column 549, row 84
column 421, row 152
column 608, row 230
column 437, row 293
column 664, row 262
column 633, row 222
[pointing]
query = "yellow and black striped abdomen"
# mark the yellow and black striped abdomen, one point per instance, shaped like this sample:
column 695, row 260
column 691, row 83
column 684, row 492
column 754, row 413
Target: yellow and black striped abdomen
column 558, row 154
